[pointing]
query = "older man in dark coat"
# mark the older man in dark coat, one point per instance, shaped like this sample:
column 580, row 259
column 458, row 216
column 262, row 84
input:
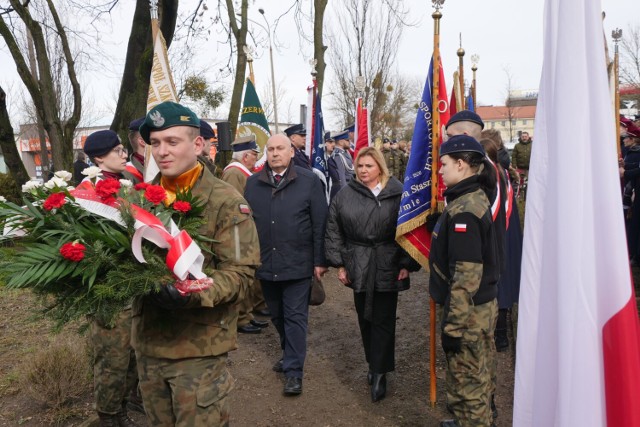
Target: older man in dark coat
column 290, row 210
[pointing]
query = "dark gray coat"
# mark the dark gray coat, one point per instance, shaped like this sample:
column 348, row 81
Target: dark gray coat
column 360, row 236
column 290, row 219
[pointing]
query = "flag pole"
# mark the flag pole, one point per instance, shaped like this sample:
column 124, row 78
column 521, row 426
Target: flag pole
column 248, row 51
column 616, row 35
column 437, row 4
column 461, row 73
column 474, row 68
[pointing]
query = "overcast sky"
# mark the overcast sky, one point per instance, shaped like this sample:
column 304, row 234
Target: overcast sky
column 504, row 33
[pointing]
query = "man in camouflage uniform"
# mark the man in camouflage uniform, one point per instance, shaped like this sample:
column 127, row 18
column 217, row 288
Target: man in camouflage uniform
column 393, row 158
column 245, row 155
column 182, row 341
column 464, row 267
column 521, row 155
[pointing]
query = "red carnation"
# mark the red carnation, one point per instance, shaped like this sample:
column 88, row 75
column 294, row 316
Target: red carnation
column 73, row 251
column 107, row 188
column 54, row 201
column 155, row 194
column 182, row 206
column 140, row 186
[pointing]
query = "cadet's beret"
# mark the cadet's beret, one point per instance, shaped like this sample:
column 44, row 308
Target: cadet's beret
column 135, row 124
column 167, row 115
column 465, row 116
column 351, row 128
column 341, row 135
column 100, row 143
column 206, row 131
column 328, row 137
column 296, row 130
column 385, row 140
column 461, row 143
column 245, row 143
column 633, row 130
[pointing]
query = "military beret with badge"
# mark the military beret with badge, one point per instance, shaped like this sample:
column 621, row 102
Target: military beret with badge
column 166, row 115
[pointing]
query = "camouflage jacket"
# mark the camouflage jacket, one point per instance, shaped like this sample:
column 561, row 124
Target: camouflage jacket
column 521, row 156
column 207, row 326
column 395, row 161
column 235, row 177
column 464, row 258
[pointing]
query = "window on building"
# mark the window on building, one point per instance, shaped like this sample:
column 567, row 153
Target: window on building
column 503, row 123
column 524, row 122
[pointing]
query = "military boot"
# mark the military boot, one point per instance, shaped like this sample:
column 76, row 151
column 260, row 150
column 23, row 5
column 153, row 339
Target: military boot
column 108, row 420
column 124, row 420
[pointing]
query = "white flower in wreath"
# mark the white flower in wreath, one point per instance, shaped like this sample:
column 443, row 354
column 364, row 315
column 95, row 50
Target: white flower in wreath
column 92, row 172
column 126, row 183
column 2, row 199
column 64, row 175
column 30, row 186
column 55, row 182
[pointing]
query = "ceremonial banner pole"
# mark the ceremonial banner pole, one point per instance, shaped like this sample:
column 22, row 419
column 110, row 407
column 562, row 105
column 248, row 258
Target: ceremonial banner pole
column 248, row 51
column 461, row 73
column 161, row 85
column 434, row 183
column 616, row 35
column 474, row 68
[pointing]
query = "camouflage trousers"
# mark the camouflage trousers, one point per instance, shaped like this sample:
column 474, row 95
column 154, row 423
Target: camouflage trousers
column 469, row 373
column 114, row 363
column 254, row 300
column 185, row 392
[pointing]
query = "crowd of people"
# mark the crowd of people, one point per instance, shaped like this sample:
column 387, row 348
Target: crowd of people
column 276, row 231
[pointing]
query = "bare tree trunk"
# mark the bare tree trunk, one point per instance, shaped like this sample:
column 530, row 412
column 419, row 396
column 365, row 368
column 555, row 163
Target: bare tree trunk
column 318, row 44
column 240, row 35
column 8, row 145
column 134, row 88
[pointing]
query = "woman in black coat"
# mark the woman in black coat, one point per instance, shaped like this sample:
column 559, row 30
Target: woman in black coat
column 360, row 242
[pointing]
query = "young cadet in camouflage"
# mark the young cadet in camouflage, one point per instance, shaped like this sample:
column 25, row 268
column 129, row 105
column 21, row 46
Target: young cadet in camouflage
column 181, row 342
column 464, row 274
column 114, row 362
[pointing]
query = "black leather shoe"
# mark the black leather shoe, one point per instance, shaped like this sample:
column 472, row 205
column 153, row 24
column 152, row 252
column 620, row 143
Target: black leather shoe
column 449, row 423
column 369, row 377
column 278, row 366
column 501, row 340
column 292, row 386
column 265, row 312
column 249, row 329
column 378, row 387
column 259, row 323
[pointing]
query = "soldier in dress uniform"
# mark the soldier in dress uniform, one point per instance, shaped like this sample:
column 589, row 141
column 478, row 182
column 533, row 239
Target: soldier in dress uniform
column 182, row 341
column 298, row 136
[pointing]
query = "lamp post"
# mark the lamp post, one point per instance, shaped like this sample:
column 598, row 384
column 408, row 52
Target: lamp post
column 273, row 77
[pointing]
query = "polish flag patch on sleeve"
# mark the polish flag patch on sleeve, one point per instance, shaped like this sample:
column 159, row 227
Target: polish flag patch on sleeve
column 460, row 228
column 245, row 209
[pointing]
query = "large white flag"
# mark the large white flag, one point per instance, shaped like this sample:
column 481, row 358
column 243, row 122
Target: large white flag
column 578, row 360
column 161, row 87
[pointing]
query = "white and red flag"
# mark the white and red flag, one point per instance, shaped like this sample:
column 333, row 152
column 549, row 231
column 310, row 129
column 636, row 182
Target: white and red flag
column 578, row 345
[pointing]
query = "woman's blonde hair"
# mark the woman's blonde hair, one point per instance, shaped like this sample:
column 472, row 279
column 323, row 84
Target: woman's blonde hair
column 377, row 156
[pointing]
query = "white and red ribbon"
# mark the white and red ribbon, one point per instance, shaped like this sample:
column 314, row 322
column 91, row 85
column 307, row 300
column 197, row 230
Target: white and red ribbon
column 184, row 257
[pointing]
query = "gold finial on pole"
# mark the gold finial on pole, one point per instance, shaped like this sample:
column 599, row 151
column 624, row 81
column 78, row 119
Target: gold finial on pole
column 153, row 8
column 616, row 35
column 474, row 67
column 461, row 72
column 435, row 141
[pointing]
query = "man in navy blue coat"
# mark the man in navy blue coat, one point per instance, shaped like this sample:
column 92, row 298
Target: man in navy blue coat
column 290, row 209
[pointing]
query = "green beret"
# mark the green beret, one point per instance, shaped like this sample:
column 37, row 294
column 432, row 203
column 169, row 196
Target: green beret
column 167, row 115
